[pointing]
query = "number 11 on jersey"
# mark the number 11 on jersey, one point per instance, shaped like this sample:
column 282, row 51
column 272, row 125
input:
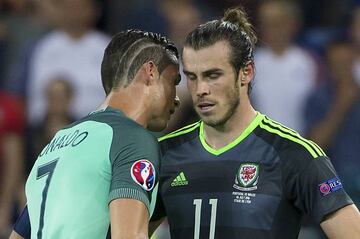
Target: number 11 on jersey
column 198, row 203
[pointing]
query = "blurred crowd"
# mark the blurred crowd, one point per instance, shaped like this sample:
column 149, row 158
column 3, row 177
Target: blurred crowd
column 307, row 74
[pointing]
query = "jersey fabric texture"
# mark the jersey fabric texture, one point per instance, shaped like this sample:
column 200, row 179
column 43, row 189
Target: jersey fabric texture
column 85, row 166
column 258, row 186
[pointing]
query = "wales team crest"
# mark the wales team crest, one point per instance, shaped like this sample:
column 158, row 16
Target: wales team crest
column 247, row 177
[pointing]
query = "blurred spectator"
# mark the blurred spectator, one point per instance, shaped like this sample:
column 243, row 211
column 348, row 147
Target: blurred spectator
column 21, row 24
column 217, row 7
column 12, row 125
column 59, row 96
column 141, row 14
column 329, row 13
column 333, row 116
column 355, row 42
column 74, row 50
column 2, row 52
column 282, row 66
column 181, row 16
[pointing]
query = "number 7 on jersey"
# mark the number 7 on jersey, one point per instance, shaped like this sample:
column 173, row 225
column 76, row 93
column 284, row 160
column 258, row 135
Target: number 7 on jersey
column 43, row 170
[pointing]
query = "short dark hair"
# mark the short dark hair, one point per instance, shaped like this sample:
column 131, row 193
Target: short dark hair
column 128, row 51
column 234, row 28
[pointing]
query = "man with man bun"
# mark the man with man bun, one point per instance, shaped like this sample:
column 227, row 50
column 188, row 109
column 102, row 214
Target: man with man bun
column 236, row 173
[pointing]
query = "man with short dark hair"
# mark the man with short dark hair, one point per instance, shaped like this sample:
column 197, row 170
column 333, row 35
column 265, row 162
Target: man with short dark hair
column 102, row 169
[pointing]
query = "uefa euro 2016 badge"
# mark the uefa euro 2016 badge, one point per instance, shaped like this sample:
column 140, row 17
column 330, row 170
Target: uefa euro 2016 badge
column 247, row 176
column 143, row 173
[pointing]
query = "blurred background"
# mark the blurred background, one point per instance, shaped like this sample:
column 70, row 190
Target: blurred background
column 307, row 74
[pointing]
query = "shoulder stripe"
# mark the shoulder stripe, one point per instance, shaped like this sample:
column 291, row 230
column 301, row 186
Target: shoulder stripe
column 184, row 128
column 295, row 134
column 317, row 146
column 181, row 131
column 288, row 136
column 280, row 124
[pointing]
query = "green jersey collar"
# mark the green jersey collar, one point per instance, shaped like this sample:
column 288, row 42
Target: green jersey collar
column 111, row 109
column 242, row 136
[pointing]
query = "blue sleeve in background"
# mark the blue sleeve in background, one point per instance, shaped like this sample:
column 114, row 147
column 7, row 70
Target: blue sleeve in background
column 22, row 224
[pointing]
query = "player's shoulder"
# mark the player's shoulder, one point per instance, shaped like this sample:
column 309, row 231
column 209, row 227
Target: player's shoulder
column 180, row 136
column 120, row 123
column 117, row 122
column 286, row 141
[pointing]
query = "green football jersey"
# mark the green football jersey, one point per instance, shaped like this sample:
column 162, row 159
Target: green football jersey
column 100, row 158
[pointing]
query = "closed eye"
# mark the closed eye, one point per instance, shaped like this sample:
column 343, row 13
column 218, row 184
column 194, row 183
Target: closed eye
column 190, row 76
column 214, row 76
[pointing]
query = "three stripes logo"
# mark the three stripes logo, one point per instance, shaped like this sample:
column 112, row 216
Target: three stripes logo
column 180, row 180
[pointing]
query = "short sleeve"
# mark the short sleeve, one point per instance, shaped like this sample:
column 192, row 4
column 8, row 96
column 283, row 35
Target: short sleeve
column 159, row 210
column 316, row 188
column 22, row 224
column 134, row 159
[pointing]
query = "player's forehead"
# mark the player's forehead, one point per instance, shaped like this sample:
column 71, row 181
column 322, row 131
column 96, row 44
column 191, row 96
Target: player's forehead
column 211, row 57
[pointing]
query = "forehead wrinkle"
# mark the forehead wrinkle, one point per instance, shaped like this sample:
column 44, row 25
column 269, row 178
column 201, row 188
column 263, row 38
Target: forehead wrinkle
column 211, row 56
column 206, row 66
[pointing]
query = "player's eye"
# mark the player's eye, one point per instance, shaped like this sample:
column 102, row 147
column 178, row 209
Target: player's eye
column 213, row 76
column 191, row 77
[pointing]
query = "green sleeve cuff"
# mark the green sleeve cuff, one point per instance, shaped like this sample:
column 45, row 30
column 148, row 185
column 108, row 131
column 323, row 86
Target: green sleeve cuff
column 131, row 194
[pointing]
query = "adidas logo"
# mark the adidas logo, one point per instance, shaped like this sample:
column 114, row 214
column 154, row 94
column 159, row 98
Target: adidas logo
column 180, row 180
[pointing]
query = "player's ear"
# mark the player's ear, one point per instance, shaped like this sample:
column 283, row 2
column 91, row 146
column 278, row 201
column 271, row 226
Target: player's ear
column 150, row 72
column 246, row 74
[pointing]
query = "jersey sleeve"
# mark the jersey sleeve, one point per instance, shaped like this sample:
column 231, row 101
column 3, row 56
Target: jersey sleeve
column 134, row 159
column 314, row 187
column 159, row 210
column 22, row 224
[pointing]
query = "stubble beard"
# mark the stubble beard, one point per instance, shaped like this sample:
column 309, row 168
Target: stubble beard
column 233, row 99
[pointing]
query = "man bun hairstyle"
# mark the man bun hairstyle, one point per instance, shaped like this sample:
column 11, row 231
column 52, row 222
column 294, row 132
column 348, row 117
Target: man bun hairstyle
column 238, row 17
column 128, row 51
column 234, row 28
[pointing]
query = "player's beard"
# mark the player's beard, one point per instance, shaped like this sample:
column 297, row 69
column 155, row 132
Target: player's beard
column 232, row 99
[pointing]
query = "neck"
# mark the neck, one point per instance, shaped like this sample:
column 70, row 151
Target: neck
column 133, row 109
column 76, row 32
column 220, row 136
column 279, row 49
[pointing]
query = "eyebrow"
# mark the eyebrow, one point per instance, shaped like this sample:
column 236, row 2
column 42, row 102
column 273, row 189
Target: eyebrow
column 205, row 73
column 188, row 72
column 212, row 71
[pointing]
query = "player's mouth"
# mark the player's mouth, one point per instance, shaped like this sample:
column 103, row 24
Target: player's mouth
column 205, row 107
